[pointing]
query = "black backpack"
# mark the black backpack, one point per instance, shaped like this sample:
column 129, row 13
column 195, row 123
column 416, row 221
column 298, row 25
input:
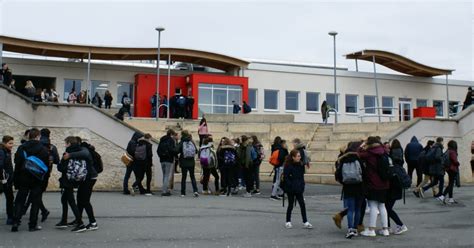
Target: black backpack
column 247, row 109
column 164, row 149
column 401, row 176
column 384, row 162
column 97, row 162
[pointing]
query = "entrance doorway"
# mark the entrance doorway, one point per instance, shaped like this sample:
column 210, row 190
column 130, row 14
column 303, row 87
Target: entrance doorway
column 38, row 82
column 405, row 112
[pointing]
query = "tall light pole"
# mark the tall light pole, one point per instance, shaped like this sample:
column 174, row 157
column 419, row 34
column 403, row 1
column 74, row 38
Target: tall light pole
column 333, row 34
column 159, row 29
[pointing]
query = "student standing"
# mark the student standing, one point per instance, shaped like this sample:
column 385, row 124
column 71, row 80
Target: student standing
column 167, row 153
column 226, row 157
column 282, row 153
column 203, row 130
column 143, row 161
column 6, row 174
column 187, row 152
column 208, row 159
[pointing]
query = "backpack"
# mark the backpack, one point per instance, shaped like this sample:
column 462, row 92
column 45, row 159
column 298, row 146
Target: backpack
column 189, row 150
column 96, row 158
column 274, row 158
column 205, row 157
column 253, row 154
column 229, row 158
column 384, row 162
column 35, row 166
column 401, row 176
column 181, row 101
column 445, row 160
column 140, row 152
column 247, row 108
column 76, row 170
column 127, row 101
column 430, row 157
column 351, row 172
column 307, row 158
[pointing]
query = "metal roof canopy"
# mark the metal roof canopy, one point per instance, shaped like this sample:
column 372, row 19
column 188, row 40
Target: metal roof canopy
column 214, row 60
column 398, row 63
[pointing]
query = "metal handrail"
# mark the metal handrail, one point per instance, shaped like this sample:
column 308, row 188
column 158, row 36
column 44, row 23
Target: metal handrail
column 362, row 116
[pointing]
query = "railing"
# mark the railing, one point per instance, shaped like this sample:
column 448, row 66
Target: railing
column 458, row 109
column 363, row 113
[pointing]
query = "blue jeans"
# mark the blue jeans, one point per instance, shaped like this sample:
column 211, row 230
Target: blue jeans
column 128, row 172
column 353, row 205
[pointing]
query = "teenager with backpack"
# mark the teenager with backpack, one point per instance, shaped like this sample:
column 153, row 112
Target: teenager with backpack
column 277, row 160
column 143, row 162
column 6, row 175
column 434, row 159
column 395, row 191
column 227, row 159
column 349, row 172
column 372, row 153
column 208, row 161
column 451, row 164
column 246, row 154
column 131, row 146
column 29, row 157
column 425, row 166
column 293, row 179
column 167, row 153
column 260, row 150
column 187, row 153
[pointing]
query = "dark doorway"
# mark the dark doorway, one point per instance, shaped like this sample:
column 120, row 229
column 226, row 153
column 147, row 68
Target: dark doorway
column 38, row 82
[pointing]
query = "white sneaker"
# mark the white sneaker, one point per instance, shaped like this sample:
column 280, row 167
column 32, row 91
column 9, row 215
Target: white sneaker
column 385, row 232
column 307, row 225
column 368, row 233
column 288, row 225
column 401, row 229
column 441, row 199
column 452, row 201
column 247, row 195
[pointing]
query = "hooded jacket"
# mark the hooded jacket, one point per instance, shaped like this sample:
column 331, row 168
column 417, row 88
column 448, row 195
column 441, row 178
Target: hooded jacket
column 149, row 152
column 437, row 168
column 413, row 150
column 220, row 154
column 244, row 155
column 185, row 162
column 132, row 144
column 369, row 156
column 349, row 190
column 170, row 144
column 21, row 177
column 80, row 153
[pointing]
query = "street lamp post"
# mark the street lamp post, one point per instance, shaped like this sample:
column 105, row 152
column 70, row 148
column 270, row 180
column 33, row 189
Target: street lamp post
column 159, row 29
column 333, row 34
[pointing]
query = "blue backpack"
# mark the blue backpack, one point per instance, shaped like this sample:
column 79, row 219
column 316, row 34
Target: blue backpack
column 35, row 166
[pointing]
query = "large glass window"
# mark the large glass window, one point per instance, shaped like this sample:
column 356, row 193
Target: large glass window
column 351, row 104
column 387, row 104
column 439, row 108
column 123, row 87
column 312, row 101
column 331, row 101
column 421, row 103
column 217, row 98
column 292, row 100
column 100, row 87
column 369, row 104
column 253, row 98
column 271, row 99
column 70, row 84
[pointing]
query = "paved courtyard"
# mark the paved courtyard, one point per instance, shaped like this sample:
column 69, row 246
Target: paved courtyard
column 211, row 221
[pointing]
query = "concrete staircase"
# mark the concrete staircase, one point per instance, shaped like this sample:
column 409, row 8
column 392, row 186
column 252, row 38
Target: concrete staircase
column 323, row 141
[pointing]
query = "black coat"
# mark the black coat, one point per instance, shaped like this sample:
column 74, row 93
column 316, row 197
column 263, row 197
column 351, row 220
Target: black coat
column 293, row 175
column 6, row 165
column 80, row 153
column 7, row 76
column 221, row 152
column 149, row 154
column 21, row 177
column 349, row 190
column 170, row 146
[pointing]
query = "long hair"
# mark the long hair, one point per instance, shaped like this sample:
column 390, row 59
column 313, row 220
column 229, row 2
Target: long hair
column 255, row 140
column 429, row 144
column 396, row 144
column 289, row 159
column 203, row 120
column 453, row 145
column 277, row 140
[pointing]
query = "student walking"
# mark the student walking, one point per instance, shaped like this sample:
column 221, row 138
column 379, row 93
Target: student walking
column 131, row 146
column 279, row 153
column 143, row 162
column 293, row 178
column 208, row 161
column 452, row 169
column 187, row 152
column 6, row 175
column 434, row 159
column 167, row 152
column 227, row 159
column 412, row 154
column 126, row 102
column 108, row 99
column 395, row 191
column 426, row 170
column 324, row 112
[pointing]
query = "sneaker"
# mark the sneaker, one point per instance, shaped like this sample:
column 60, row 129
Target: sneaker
column 441, row 199
column 241, row 188
column 368, row 233
column 354, row 231
column 288, row 225
column 72, row 223
column 349, row 234
column 126, row 192
column 133, row 191
column 35, row 228
column 148, row 194
column 337, row 218
column 281, row 195
column 247, row 195
column 452, row 201
column 275, row 198
column 385, row 232
column 15, row 228
column 256, row 192
column 79, row 228
column 62, row 225
column 400, row 230
column 307, row 225
column 196, row 194
column 422, row 193
column 92, row 226
column 182, row 195
column 417, row 194
column 204, row 192
column 44, row 216
column 166, row 194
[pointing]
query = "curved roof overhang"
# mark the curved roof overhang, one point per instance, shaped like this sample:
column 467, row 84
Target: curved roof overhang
column 398, row 63
column 214, row 60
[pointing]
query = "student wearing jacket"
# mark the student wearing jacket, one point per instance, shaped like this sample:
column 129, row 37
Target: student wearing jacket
column 452, row 171
column 377, row 188
column 426, row 170
column 203, row 131
column 6, row 175
column 211, row 168
column 412, row 153
column 436, row 168
column 143, row 167
column 395, row 191
column 283, row 152
column 244, row 153
column 131, row 146
column 167, row 153
column 293, row 176
column 258, row 147
column 226, row 160
column 187, row 164
column 353, row 194
column 26, row 183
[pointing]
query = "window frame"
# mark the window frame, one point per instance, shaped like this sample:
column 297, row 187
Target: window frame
column 317, row 102
column 357, row 104
column 391, row 107
column 425, row 100
column 277, row 100
column 297, row 101
column 442, row 108
column 375, row 105
column 256, row 98
column 335, row 100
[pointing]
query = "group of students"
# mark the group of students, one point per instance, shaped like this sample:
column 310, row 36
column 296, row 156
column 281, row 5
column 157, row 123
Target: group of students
column 33, row 162
column 372, row 175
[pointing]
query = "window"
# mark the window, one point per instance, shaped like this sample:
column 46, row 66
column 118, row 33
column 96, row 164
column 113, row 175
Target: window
column 421, row 103
column 351, row 104
column 453, row 108
column 292, row 101
column 271, row 99
column 123, row 87
column 70, row 84
column 253, row 98
column 100, row 87
column 369, row 104
column 330, row 101
column 387, row 104
column 217, row 98
column 439, row 108
column 312, row 101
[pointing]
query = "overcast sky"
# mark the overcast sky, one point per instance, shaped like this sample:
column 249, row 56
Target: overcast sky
column 436, row 33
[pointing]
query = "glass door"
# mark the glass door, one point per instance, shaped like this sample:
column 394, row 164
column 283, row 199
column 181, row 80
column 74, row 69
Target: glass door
column 405, row 111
